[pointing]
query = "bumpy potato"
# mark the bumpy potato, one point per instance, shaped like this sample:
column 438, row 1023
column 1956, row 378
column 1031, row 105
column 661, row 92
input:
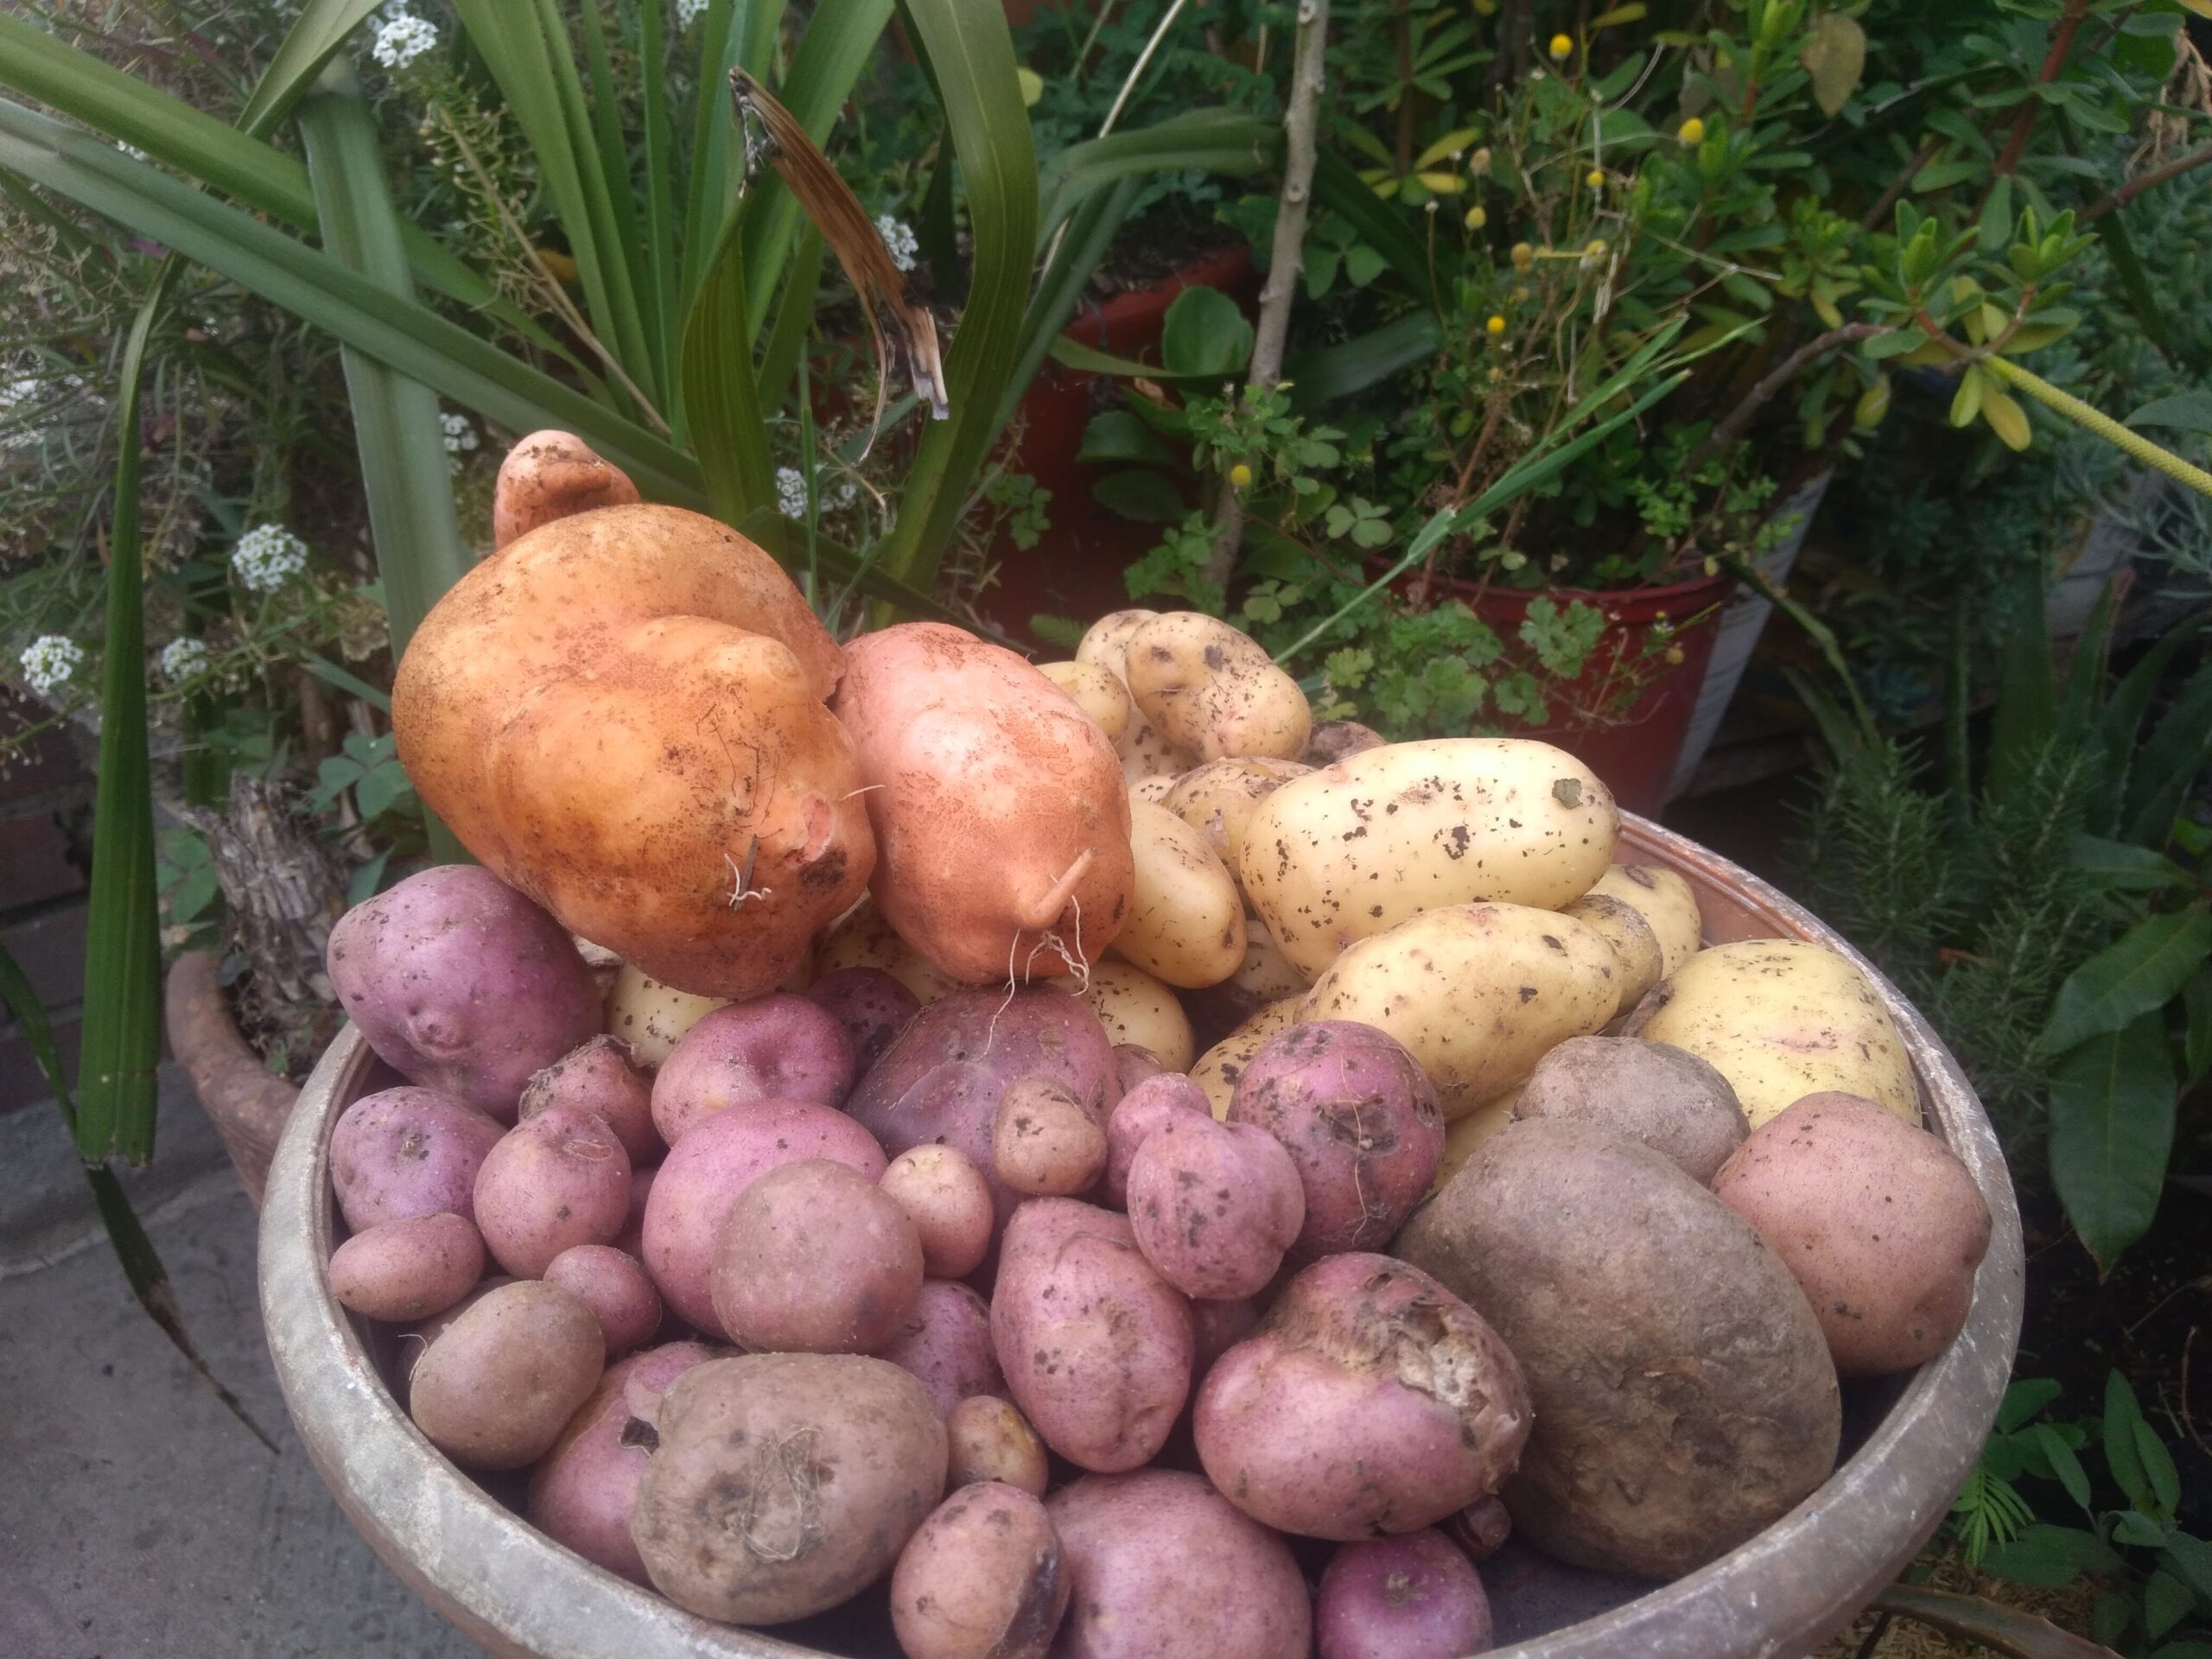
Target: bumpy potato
column 1357, row 848
column 1097, row 691
column 1213, row 690
column 1186, row 925
column 1666, row 900
column 608, row 1077
column 1134, row 1008
column 1683, row 1393
column 495, row 1388
column 1220, row 797
column 1045, row 1142
column 1781, row 1019
column 1214, row 1206
column 1218, row 1069
column 1145, row 754
column 1146, row 1104
column 1479, row 993
column 652, row 1017
column 1665, row 1097
column 1636, row 947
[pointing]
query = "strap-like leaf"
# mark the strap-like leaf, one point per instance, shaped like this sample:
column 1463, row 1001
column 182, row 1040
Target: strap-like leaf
column 721, row 404
column 2138, row 974
column 311, row 42
column 2112, row 1128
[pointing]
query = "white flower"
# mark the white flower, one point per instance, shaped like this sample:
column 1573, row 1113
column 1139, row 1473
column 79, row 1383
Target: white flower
column 844, row 495
column 267, row 556
column 401, row 38
column 184, row 658
column 688, row 12
column 15, row 397
column 460, row 435
column 901, row 240
column 50, row 662
column 790, row 493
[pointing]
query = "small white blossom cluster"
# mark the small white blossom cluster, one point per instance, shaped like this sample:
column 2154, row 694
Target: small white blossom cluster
column 901, row 240
column 460, row 438
column 17, row 397
column 688, row 12
column 267, row 556
column 184, row 658
column 790, row 493
column 402, row 37
column 50, row 662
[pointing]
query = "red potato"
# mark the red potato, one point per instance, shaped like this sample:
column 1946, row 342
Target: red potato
column 616, row 1288
column 815, row 1258
column 1165, row 1567
column 702, row 1178
column 1138, row 1114
column 1214, row 1206
column 408, row 1152
column 872, row 1006
column 583, row 1490
column 501, row 1379
column 1044, row 1143
column 989, row 1439
column 630, row 1241
column 965, row 749
column 980, row 1578
column 946, row 1342
column 773, row 1047
column 1096, row 1346
column 1133, row 1063
column 560, row 1179
column 1480, row 1530
column 1372, row 1401
column 950, row 1203
column 410, row 1269
column 1359, row 1118
column 1414, row 1597
column 606, row 1077
column 463, row 985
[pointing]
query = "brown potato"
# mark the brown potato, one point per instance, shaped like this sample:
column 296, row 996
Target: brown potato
column 1045, row 1142
column 496, row 1387
column 408, row 1270
column 1666, row 1097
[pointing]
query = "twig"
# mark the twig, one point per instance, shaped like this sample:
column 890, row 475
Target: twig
column 2150, row 180
column 1874, row 215
column 2061, row 42
column 2134, row 443
column 1731, row 427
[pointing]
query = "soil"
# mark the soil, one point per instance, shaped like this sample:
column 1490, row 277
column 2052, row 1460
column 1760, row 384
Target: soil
column 289, row 1036
column 1170, row 235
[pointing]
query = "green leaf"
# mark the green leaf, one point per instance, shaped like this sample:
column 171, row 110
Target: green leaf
column 2177, row 751
column 2158, row 1468
column 2111, row 1127
column 2134, row 1527
column 1328, row 372
column 779, row 358
column 1116, row 435
column 1144, row 496
column 2196, row 998
column 1338, row 186
column 2122, row 1414
column 2185, row 411
column 1204, row 334
column 1834, row 54
column 2189, row 1559
column 2137, row 976
column 2125, row 867
column 1087, row 236
column 721, row 404
column 382, row 788
column 321, row 28
column 346, row 681
column 1223, row 142
column 2023, row 1400
column 2063, row 1464
column 2048, row 1557
column 2166, row 1602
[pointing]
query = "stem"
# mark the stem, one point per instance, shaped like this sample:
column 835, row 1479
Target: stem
column 2134, row 443
column 2150, row 180
column 1899, row 185
column 1819, row 346
column 1287, row 258
column 2061, row 42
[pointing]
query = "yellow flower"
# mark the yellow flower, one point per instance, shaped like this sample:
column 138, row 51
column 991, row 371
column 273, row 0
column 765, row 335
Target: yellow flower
column 1561, row 47
column 1520, row 294
column 1691, row 132
column 1478, row 163
column 1240, row 477
column 1596, row 250
column 1595, row 178
column 1522, row 256
column 1477, row 217
column 1676, row 656
column 1496, row 326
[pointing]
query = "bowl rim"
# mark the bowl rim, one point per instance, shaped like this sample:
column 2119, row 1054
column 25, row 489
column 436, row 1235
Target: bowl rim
column 518, row 1592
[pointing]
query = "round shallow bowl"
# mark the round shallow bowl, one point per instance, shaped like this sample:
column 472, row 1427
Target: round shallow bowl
column 1909, row 1441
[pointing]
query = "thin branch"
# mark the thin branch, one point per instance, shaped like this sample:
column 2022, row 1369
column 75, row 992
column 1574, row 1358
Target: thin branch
column 1731, row 427
column 2150, row 180
column 1873, row 217
column 2061, row 42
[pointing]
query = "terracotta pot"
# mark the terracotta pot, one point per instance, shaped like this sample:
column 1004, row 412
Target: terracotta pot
column 1911, row 1441
column 249, row 1104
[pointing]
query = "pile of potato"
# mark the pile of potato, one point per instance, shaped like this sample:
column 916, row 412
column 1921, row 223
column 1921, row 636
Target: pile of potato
column 1211, row 1131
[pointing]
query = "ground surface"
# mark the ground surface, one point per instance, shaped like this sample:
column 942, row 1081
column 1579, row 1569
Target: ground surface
column 137, row 1519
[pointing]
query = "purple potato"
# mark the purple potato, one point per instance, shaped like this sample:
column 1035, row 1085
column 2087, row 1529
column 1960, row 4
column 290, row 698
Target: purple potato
column 872, row 1006
column 946, row 1342
column 408, row 1152
column 775, row 1047
column 1412, row 1597
column 1214, row 1206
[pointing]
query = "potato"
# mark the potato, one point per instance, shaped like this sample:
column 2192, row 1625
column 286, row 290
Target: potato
column 966, row 749
column 1153, row 789
column 1372, row 1399
column 1045, row 1142
column 1214, row 1206
column 1414, row 1597
column 1134, row 1008
column 1144, row 753
column 496, row 1387
column 1358, row 1118
column 1781, row 1019
column 1133, row 1063
column 550, row 475
column 1359, row 846
column 603, row 1077
column 1097, row 691
column 872, row 1006
column 1683, row 1393
column 815, row 1258
column 1265, row 975
column 786, row 1482
column 702, row 1178
column 982, row 1579
column 862, row 938
column 1464, row 1134
column 1666, row 1098
column 461, row 984
column 1480, row 1530
column 583, row 1490
column 672, row 786
column 1218, row 798
column 1187, row 924
column 1165, row 1567
column 1106, row 642
column 946, row 1342
column 949, row 1202
column 1221, row 1325
column 1213, row 690
column 1141, row 1110
column 559, row 1179
column 407, row 1151
column 1878, row 1220
column 1477, row 993
column 1220, row 1066
column 652, row 1017
column 1096, row 1346
column 1332, row 740
column 773, row 1047
column 615, row 1285
column 1666, row 900
column 409, row 1269
column 1637, row 954
column 990, row 1439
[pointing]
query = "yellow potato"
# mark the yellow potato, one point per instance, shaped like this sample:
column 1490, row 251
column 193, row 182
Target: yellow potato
column 1096, row 690
column 1153, row 789
column 1187, row 924
column 862, row 938
column 1220, row 797
column 1145, row 754
column 1106, row 642
column 1348, row 851
column 1266, row 974
column 1477, row 993
column 1666, row 900
column 650, row 1016
column 1219, row 1067
column 1781, row 1019
column 1134, row 1008
column 1468, row 1134
column 1213, row 690
column 1636, row 947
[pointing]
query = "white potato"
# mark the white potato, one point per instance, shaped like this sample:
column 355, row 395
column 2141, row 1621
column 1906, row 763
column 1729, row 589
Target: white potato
column 1106, row 642
column 1213, row 690
column 1636, row 947
column 1096, row 690
column 1186, row 924
column 862, row 938
column 1220, row 797
column 1134, row 1008
column 1477, row 993
column 1666, row 899
column 1219, row 1067
column 1145, row 754
column 1348, row 851
column 1153, row 789
column 650, row 1016
column 1782, row 1019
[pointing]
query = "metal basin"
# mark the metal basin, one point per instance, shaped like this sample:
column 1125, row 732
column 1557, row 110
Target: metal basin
column 1910, row 1442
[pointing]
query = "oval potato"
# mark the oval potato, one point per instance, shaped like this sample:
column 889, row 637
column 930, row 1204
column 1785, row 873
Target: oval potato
column 1220, row 797
column 1782, row 1019
column 1152, row 789
column 1096, row 690
column 1343, row 853
column 1636, row 947
column 1213, row 690
column 1187, row 924
column 1219, row 1067
column 651, row 1016
column 1134, row 1008
column 1145, row 754
column 1479, row 993
column 1666, row 900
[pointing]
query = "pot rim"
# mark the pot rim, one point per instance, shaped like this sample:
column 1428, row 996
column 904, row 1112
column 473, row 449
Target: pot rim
column 519, row 1594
